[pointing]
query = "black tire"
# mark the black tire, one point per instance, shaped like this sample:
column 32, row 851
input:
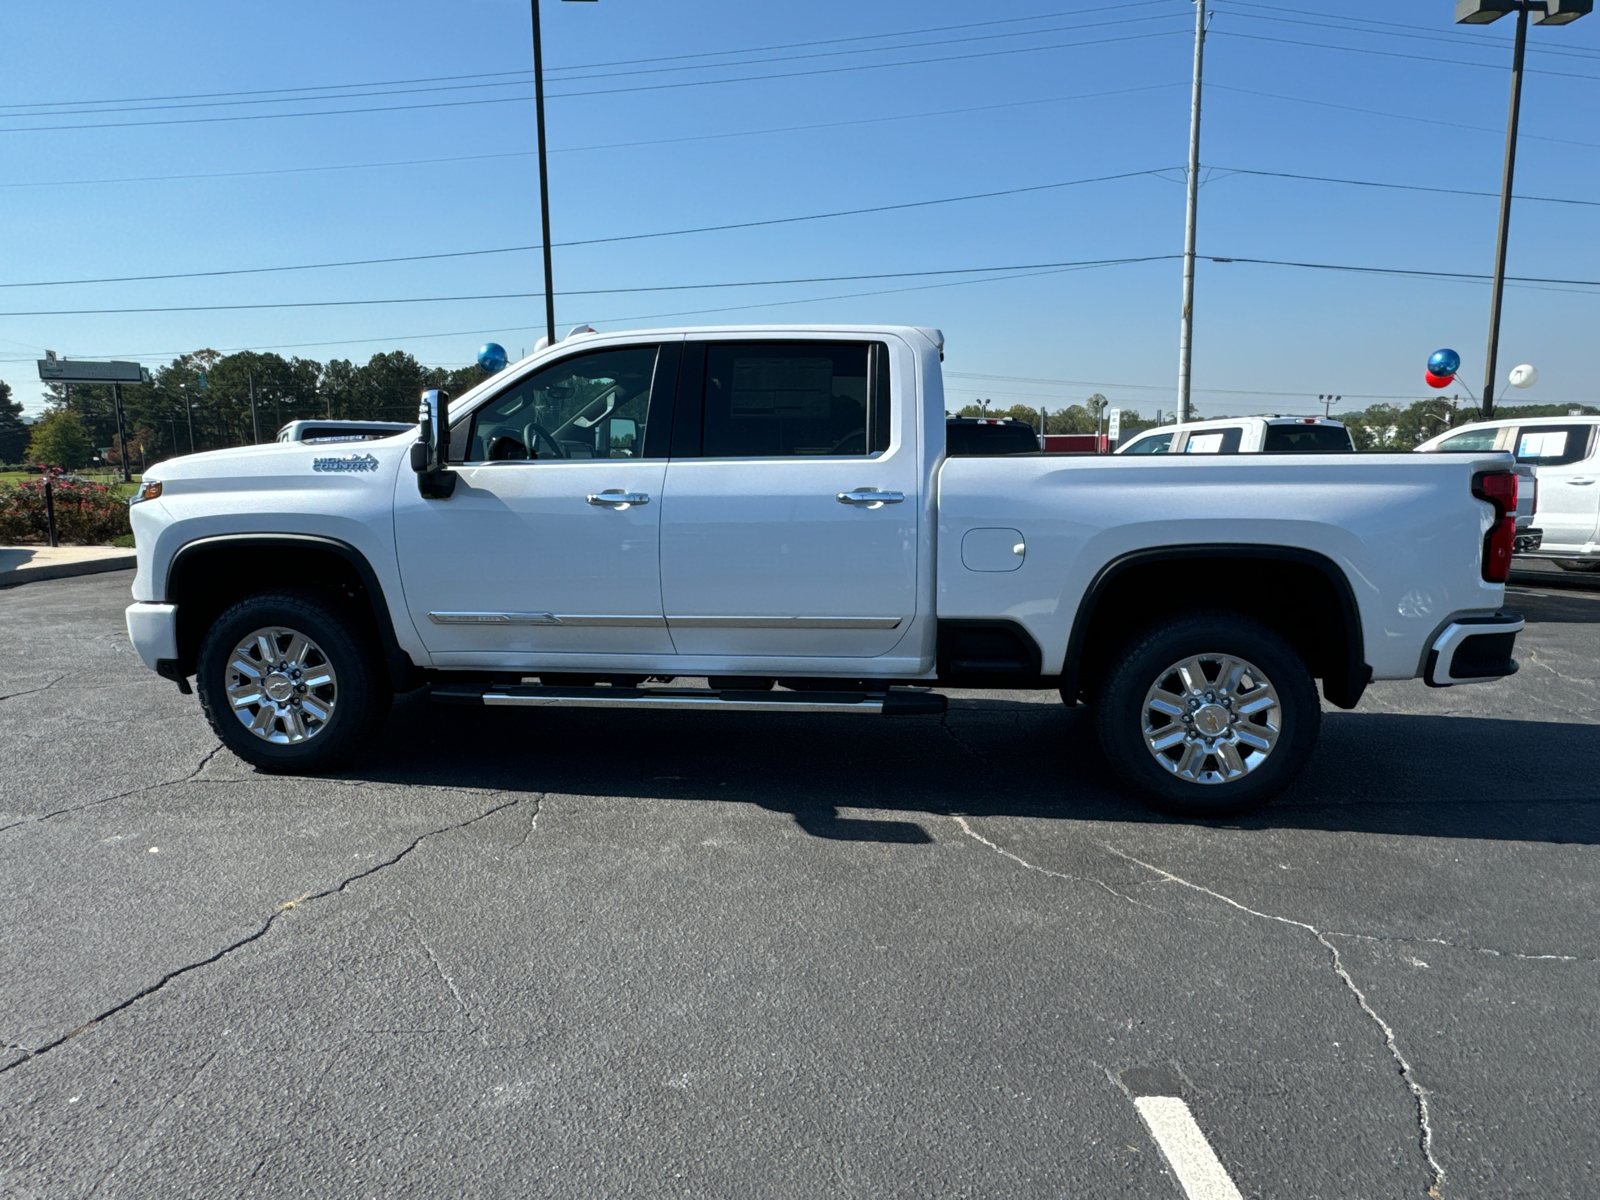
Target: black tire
column 1577, row 564
column 356, row 703
column 1120, row 716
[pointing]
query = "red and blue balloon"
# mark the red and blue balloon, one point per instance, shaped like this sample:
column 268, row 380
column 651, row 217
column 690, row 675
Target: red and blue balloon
column 1442, row 368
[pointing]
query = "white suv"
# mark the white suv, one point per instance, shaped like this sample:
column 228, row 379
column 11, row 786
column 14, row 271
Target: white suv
column 1246, row 435
column 1563, row 451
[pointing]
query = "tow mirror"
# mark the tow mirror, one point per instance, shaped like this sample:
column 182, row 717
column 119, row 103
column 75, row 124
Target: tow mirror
column 430, row 453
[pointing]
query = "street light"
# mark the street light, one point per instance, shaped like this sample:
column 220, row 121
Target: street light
column 544, row 178
column 1327, row 404
column 1482, row 12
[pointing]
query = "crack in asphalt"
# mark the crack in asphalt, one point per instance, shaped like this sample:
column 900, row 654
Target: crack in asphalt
column 259, row 933
column 1022, row 862
column 154, row 787
column 33, row 691
column 1432, row 941
column 1407, row 1073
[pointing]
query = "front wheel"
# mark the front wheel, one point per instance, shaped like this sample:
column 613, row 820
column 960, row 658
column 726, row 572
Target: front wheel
column 1208, row 715
column 290, row 683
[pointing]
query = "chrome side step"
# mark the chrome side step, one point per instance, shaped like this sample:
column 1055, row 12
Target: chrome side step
column 890, row 703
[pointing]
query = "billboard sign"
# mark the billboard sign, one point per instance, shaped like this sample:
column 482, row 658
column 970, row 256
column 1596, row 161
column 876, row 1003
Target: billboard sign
column 65, row 370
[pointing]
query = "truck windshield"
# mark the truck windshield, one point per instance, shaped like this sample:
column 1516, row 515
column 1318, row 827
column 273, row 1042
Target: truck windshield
column 1307, row 439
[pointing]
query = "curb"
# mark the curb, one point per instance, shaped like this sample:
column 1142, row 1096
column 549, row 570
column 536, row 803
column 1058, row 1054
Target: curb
column 91, row 566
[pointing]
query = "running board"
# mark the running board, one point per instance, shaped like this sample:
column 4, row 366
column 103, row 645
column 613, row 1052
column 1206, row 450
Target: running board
column 891, row 703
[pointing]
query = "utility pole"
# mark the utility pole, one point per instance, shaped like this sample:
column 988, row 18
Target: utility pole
column 188, row 408
column 255, row 421
column 1483, row 12
column 544, row 178
column 1505, row 213
column 1186, row 331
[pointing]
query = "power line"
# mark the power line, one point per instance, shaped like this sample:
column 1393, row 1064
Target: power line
column 1404, row 271
column 612, row 91
column 1443, row 62
column 678, row 287
column 520, row 82
column 631, row 237
column 1373, row 112
column 1403, row 187
column 702, row 137
column 1452, row 34
column 524, row 73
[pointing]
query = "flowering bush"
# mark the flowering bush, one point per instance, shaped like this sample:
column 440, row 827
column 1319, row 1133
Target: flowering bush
column 87, row 514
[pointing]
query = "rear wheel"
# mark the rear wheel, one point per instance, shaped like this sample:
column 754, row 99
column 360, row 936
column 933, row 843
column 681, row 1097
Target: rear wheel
column 1577, row 564
column 1208, row 715
column 289, row 682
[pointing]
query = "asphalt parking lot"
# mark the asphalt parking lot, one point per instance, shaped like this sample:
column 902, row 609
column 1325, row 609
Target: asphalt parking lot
column 581, row 954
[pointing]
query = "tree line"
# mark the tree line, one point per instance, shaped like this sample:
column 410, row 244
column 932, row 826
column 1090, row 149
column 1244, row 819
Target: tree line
column 202, row 401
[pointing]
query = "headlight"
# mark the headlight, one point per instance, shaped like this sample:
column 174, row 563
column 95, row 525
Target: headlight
column 149, row 489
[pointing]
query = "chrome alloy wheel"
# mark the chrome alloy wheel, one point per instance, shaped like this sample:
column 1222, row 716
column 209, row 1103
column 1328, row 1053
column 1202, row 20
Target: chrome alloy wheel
column 1212, row 718
column 281, row 686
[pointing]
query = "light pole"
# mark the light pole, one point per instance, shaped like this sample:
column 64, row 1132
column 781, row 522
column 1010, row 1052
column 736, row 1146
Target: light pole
column 1482, row 12
column 1186, row 327
column 544, row 177
column 1327, row 404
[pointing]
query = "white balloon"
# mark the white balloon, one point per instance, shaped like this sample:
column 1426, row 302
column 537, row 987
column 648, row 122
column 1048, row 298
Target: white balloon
column 1524, row 376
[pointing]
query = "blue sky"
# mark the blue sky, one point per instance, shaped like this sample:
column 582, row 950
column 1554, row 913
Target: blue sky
column 657, row 126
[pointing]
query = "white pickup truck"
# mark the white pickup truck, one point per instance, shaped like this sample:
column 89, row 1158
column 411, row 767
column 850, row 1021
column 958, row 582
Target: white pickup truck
column 773, row 510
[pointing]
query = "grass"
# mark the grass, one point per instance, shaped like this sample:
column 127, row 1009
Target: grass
column 112, row 479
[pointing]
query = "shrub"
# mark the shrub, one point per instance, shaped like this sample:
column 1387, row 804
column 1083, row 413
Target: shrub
column 87, row 514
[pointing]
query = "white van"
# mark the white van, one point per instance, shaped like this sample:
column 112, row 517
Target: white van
column 1563, row 452
column 1245, row 435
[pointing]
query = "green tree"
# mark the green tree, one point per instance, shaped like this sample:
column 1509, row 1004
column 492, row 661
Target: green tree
column 60, row 440
column 13, row 429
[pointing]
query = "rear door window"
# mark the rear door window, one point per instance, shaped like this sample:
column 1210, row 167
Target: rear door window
column 1215, row 441
column 1553, row 445
column 795, row 399
column 1308, row 439
column 1155, row 443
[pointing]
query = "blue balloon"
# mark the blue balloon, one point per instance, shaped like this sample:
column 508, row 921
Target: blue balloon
column 1444, row 363
column 492, row 358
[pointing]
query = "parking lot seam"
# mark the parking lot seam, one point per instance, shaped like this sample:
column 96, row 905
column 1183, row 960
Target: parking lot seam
column 259, row 933
column 1407, row 1073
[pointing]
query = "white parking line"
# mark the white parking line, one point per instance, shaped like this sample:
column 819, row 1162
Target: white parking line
column 1188, row 1153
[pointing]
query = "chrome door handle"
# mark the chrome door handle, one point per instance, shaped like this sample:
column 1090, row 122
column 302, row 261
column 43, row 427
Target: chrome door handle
column 617, row 498
column 1580, row 481
column 871, row 497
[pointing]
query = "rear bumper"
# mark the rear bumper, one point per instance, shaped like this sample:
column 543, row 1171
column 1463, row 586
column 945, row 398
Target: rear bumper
column 1473, row 650
column 153, row 630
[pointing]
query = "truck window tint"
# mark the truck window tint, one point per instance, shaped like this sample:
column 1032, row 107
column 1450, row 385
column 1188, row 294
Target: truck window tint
column 1307, row 439
column 1472, row 439
column 1552, row 445
column 1156, row 443
column 589, row 406
column 790, row 399
column 1214, row 441
column 964, row 440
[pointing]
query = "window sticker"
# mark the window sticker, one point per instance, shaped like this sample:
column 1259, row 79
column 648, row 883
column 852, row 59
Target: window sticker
column 1552, row 444
column 1204, row 443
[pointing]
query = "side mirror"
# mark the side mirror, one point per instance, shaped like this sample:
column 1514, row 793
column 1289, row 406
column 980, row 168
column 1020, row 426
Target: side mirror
column 430, row 453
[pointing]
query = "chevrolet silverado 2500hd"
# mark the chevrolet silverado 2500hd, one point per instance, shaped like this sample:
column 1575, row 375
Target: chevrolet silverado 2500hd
column 774, row 509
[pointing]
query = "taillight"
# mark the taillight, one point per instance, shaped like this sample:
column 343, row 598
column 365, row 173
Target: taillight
column 1499, row 488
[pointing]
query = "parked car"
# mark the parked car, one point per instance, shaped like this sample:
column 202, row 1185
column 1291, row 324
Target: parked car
column 1562, row 452
column 988, row 436
column 1245, row 435
column 341, row 431
column 776, row 509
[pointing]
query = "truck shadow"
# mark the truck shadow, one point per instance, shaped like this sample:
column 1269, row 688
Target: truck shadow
column 869, row 779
